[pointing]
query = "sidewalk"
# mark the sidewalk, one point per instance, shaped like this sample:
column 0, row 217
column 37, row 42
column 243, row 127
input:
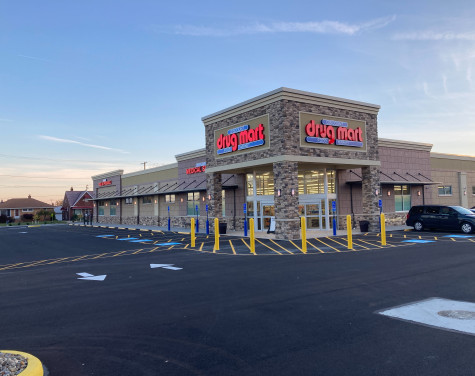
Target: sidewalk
column 258, row 234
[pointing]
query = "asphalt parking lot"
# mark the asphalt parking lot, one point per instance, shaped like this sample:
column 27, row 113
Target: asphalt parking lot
column 92, row 300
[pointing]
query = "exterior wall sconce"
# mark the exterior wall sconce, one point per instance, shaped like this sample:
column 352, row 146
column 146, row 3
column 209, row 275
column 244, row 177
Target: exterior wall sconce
column 293, row 192
column 418, row 193
column 117, row 203
column 181, row 199
column 94, row 204
column 389, row 193
column 203, row 198
column 465, row 191
column 106, row 203
column 209, row 197
column 376, row 192
column 155, row 200
column 279, row 193
column 135, row 202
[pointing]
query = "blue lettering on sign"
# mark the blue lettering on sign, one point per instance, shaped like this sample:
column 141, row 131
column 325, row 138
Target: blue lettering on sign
column 335, row 123
column 316, row 140
column 239, row 129
column 357, row 144
column 251, row 144
column 225, row 150
column 201, row 164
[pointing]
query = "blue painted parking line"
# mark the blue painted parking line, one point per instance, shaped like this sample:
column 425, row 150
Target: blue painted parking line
column 103, row 236
column 140, row 240
column 417, row 241
column 457, row 236
column 128, row 239
column 168, row 244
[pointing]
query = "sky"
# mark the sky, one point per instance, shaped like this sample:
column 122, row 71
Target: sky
column 88, row 86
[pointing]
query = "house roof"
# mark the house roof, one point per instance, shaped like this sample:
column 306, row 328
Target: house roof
column 24, row 203
column 74, row 196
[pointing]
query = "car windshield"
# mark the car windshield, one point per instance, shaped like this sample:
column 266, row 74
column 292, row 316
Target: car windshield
column 462, row 210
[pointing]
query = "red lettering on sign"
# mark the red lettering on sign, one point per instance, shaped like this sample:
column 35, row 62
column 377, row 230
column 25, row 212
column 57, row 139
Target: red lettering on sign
column 102, row 183
column 195, row 170
column 333, row 133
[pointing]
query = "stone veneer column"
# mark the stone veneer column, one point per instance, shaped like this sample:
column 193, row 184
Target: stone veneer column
column 371, row 183
column 287, row 220
column 214, row 189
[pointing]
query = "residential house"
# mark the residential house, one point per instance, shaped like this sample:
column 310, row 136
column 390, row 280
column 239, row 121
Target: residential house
column 16, row 207
column 77, row 203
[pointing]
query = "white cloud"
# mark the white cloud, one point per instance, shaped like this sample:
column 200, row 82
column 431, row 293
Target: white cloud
column 318, row 27
column 63, row 140
column 434, row 35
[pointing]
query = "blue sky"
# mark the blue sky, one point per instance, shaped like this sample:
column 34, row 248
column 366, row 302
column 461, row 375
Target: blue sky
column 91, row 86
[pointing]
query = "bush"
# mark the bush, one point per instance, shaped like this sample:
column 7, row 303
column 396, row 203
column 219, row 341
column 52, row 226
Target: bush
column 27, row 217
column 3, row 218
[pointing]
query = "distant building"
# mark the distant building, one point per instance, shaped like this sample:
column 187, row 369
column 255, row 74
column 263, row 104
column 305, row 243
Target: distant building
column 16, row 207
column 77, row 202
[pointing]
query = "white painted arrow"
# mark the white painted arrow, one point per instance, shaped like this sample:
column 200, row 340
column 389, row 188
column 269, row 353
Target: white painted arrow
column 91, row 277
column 165, row 266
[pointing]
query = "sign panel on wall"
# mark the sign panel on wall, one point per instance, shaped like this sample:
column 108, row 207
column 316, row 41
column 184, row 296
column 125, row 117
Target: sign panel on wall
column 247, row 136
column 323, row 131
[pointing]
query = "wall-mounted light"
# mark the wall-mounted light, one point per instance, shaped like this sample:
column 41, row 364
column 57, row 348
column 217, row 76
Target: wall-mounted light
column 293, row 192
column 418, row 193
column 94, row 204
column 106, row 203
column 279, row 193
column 135, row 202
column 204, row 198
column 155, row 200
column 389, row 193
column 209, row 197
column 465, row 191
column 181, row 199
column 117, row 203
column 376, row 192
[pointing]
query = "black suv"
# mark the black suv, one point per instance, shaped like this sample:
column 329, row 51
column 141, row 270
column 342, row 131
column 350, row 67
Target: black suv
column 441, row 217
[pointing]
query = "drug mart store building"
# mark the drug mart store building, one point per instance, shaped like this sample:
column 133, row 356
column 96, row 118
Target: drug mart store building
column 279, row 156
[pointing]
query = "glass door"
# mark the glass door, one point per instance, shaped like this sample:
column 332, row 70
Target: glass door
column 313, row 215
column 267, row 212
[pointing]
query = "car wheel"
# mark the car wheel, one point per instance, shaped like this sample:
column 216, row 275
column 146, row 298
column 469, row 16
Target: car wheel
column 418, row 226
column 467, row 228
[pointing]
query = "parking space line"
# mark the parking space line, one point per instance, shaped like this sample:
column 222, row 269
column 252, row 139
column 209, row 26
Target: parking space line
column 296, row 246
column 359, row 245
column 265, row 245
column 140, row 250
column 202, row 244
column 328, row 245
column 232, row 247
column 79, row 258
column 98, row 256
column 372, row 244
column 246, row 244
column 343, row 245
column 11, row 266
column 278, row 245
column 314, row 246
column 118, row 254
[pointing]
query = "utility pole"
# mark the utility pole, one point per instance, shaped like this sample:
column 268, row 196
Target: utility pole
column 144, row 163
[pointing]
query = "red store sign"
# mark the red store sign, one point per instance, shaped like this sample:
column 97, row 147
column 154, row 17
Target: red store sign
column 195, row 170
column 103, row 183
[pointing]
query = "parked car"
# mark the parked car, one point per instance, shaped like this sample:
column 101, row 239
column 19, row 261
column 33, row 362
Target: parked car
column 441, row 217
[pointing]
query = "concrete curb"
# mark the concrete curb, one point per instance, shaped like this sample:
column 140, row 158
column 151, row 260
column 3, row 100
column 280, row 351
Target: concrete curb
column 34, row 367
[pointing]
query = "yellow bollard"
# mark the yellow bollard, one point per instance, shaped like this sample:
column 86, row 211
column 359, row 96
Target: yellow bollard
column 216, row 234
column 252, row 238
column 383, row 229
column 348, row 229
column 303, row 226
column 193, row 233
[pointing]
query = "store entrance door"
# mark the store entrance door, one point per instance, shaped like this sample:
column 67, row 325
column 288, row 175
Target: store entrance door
column 267, row 211
column 313, row 215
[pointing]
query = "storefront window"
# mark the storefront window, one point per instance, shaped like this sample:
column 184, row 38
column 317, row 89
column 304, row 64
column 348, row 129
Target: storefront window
column 147, row 200
column 100, row 206
column 265, row 183
column 311, row 182
column 223, row 195
column 331, row 176
column 250, row 184
column 402, row 197
column 445, row 190
column 170, row 198
column 113, row 207
column 193, row 199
